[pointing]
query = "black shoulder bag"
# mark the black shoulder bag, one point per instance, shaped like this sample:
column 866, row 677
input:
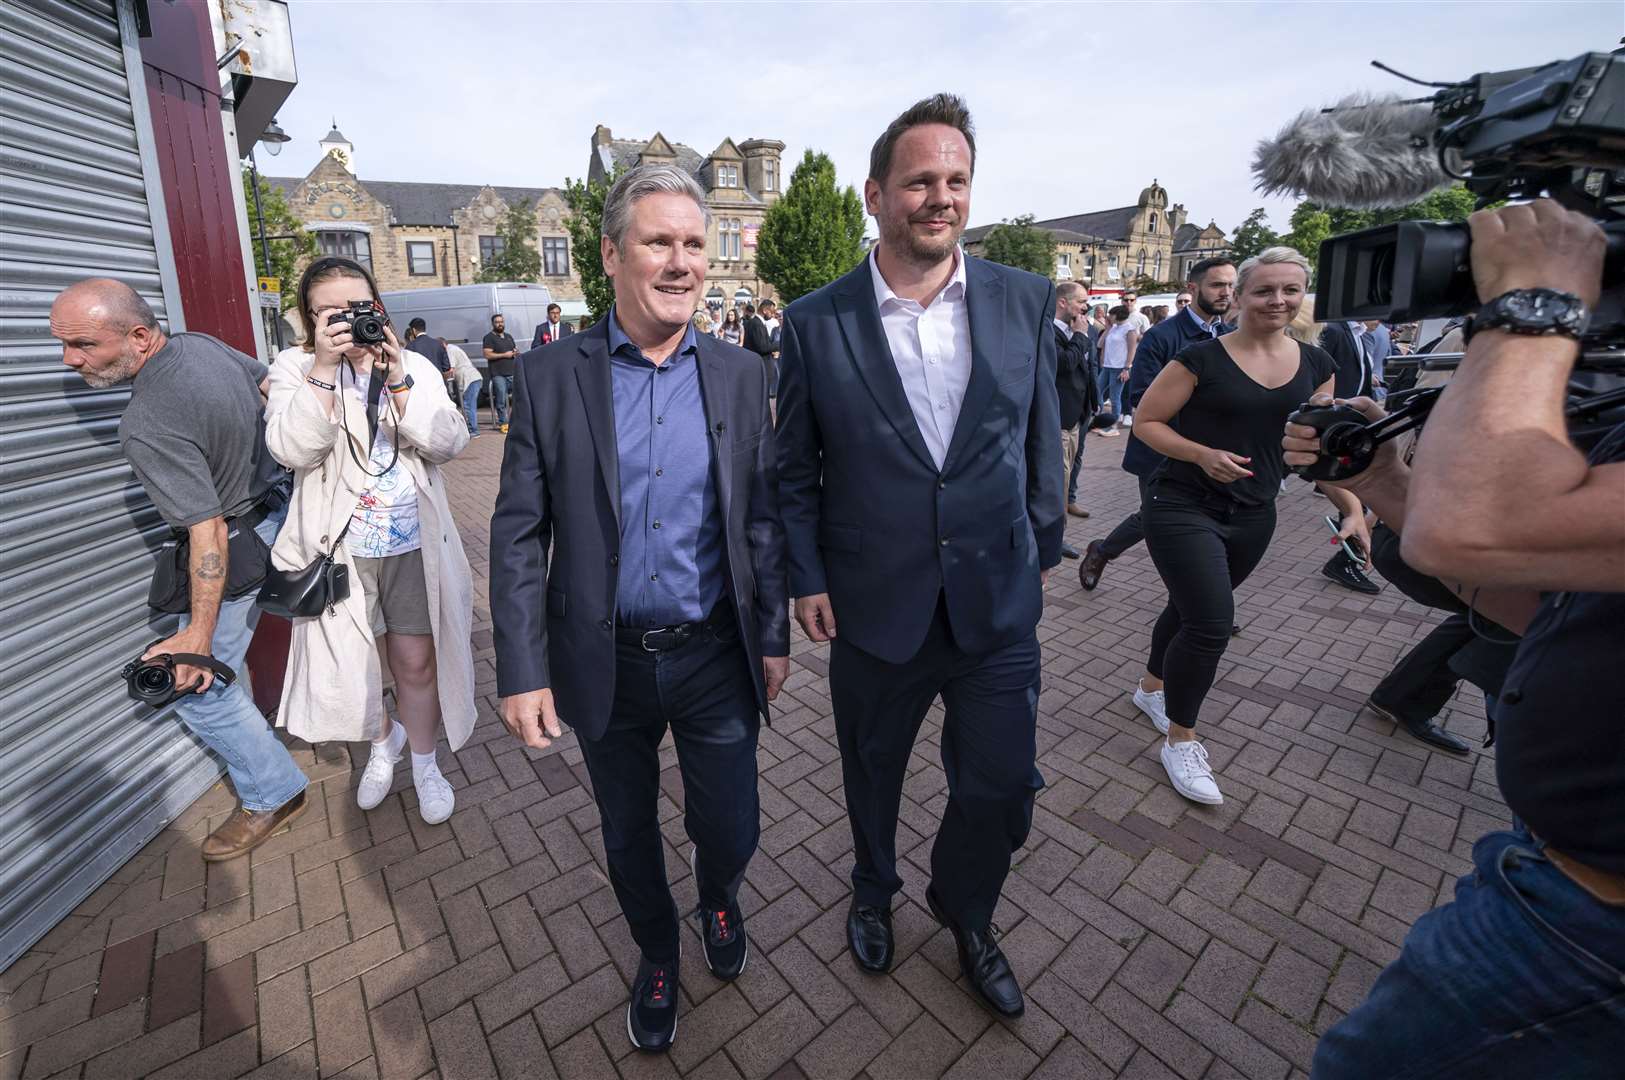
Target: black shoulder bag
column 325, row 583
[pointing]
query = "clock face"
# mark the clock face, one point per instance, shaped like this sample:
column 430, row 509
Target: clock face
column 336, row 210
column 489, row 212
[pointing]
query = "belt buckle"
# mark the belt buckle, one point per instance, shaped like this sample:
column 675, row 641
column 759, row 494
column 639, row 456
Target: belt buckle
column 644, row 640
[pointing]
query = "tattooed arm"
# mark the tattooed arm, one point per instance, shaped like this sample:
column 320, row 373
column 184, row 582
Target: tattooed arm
column 208, row 572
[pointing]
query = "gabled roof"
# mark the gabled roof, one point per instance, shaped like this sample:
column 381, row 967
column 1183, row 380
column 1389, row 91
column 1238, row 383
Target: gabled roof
column 1100, row 225
column 425, row 204
column 624, row 153
column 1187, row 236
column 659, row 147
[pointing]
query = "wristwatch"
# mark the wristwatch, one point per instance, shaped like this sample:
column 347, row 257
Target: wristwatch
column 1534, row 312
column 401, row 387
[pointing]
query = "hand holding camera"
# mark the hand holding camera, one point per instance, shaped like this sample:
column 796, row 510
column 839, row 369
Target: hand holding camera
column 174, row 667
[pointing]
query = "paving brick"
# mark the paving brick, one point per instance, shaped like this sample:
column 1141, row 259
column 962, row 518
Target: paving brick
column 996, row 1053
column 234, row 1056
column 1279, row 886
column 1083, row 1021
column 1340, row 891
column 1250, row 1057
column 583, row 1058
column 459, row 1046
column 126, row 971
column 177, row 986
column 773, row 1039
column 342, row 1035
column 284, row 1014
column 1069, row 1060
column 354, row 959
column 55, row 1053
column 518, row 1052
column 1292, row 983
column 401, row 1037
column 1153, row 971
column 146, row 1054
column 924, row 1049
column 706, row 1029
column 843, row 1048
column 942, row 997
column 445, row 991
column 826, row 995
column 228, row 1000
column 408, row 970
column 521, row 992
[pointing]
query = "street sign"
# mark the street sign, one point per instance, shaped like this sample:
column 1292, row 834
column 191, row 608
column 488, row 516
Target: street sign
column 270, row 284
column 271, row 301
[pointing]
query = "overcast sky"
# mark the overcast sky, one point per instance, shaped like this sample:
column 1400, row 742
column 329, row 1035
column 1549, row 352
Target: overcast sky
column 1077, row 105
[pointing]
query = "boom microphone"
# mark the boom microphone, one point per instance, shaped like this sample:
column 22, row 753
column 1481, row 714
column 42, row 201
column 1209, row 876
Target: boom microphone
column 1364, row 153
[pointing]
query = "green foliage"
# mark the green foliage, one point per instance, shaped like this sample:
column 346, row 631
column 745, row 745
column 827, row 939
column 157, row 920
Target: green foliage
column 1015, row 242
column 1145, row 284
column 1310, row 226
column 586, row 201
column 287, row 255
column 519, row 259
column 1312, row 223
column 1253, row 236
column 812, row 235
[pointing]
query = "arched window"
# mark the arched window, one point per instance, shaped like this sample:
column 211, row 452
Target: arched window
column 1139, row 266
column 1157, row 272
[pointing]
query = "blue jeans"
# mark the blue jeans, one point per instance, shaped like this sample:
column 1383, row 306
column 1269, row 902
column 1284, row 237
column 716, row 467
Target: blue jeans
column 500, row 385
column 471, row 406
column 226, row 718
column 1111, row 389
column 705, row 692
column 1522, row 975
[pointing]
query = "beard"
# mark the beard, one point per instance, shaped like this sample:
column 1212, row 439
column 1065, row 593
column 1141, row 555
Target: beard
column 900, row 238
column 117, row 373
column 1218, row 308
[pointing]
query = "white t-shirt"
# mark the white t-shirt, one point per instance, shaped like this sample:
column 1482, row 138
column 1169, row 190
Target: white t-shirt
column 1139, row 321
column 1115, row 354
column 385, row 521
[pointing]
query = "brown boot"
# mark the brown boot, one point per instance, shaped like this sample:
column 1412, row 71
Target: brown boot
column 246, row 830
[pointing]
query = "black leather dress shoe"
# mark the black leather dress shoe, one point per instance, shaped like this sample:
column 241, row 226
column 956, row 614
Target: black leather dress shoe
column 1350, row 576
column 1426, row 730
column 983, row 963
column 1068, row 551
column 1093, row 565
column 868, row 935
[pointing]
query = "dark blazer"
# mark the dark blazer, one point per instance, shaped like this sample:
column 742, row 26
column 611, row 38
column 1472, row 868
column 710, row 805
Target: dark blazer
column 1353, row 373
column 1075, row 388
column 429, row 347
column 536, row 341
column 869, row 518
column 556, row 532
column 758, row 339
column 1160, row 344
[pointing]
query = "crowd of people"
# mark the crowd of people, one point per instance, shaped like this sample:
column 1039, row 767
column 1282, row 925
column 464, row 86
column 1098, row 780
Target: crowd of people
column 659, row 521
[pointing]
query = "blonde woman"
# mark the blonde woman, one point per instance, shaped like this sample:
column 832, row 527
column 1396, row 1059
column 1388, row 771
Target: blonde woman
column 378, row 506
column 702, row 321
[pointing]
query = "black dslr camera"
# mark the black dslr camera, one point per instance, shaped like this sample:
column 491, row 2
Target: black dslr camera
column 1559, row 129
column 366, row 319
column 152, row 681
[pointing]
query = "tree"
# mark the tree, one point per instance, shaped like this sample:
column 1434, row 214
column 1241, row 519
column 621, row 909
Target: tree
column 586, row 221
column 1253, row 236
column 293, row 245
column 518, row 260
column 1016, row 242
column 812, row 235
column 1310, row 227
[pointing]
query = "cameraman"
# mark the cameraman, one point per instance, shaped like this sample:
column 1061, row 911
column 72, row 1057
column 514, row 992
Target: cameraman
column 1523, row 974
column 194, row 434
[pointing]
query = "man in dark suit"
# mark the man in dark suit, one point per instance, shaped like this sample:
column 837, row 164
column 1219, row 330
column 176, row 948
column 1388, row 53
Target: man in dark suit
column 552, row 330
column 1346, row 342
column 918, row 440
column 641, row 454
column 420, row 342
column 1076, row 389
column 1212, row 287
column 759, row 340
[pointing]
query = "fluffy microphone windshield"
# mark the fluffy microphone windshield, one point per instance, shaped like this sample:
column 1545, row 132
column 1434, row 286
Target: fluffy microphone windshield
column 1365, row 153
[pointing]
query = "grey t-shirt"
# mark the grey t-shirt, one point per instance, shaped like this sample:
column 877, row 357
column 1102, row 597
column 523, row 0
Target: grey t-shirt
column 194, row 431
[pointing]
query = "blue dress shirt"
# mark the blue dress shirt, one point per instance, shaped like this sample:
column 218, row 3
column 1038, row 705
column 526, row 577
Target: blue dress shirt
column 671, row 523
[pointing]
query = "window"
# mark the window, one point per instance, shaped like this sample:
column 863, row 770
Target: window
column 1139, row 267
column 770, row 175
column 729, row 243
column 1152, row 225
column 1111, row 263
column 351, row 245
column 1157, row 271
column 1089, row 265
column 556, row 256
column 420, row 258
column 1063, row 265
column 490, row 248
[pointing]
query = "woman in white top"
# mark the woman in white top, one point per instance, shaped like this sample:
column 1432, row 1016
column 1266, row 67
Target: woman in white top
column 733, row 331
column 379, row 506
column 1117, row 347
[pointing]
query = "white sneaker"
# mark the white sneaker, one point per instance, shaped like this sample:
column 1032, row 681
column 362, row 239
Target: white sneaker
column 1128, row 421
column 435, row 798
column 1154, row 703
column 380, row 775
column 1188, row 771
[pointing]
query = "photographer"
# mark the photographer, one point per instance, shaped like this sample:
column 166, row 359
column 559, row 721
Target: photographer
column 375, row 502
column 1523, row 974
column 194, row 435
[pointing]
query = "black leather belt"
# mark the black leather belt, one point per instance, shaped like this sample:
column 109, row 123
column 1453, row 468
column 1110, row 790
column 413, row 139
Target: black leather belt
column 665, row 638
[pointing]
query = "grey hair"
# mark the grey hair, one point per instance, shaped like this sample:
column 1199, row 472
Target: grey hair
column 1270, row 257
column 640, row 183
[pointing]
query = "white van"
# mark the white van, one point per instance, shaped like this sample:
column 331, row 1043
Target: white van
column 462, row 313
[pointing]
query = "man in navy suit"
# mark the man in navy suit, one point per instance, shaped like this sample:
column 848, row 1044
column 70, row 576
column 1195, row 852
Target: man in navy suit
column 918, row 434
column 1212, row 287
column 1352, row 349
column 552, row 330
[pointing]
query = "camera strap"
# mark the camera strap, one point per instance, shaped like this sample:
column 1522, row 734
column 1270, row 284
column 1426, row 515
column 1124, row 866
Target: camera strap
column 374, row 392
column 221, row 671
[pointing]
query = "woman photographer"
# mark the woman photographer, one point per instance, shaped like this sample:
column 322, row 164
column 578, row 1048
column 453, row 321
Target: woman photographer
column 1210, row 507
column 368, row 491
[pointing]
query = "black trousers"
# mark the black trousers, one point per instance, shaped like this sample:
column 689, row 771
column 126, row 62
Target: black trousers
column 1203, row 545
column 989, row 748
column 705, row 693
column 1129, row 531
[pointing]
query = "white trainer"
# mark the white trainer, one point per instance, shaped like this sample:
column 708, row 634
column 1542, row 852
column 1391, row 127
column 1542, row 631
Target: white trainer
column 379, row 776
column 1189, row 771
column 435, row 798
column 1154, row 703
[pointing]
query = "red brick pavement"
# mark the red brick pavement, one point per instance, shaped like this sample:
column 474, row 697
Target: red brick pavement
column 1154, row 937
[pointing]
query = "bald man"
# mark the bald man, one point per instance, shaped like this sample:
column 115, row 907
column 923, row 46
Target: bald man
column 194, row 434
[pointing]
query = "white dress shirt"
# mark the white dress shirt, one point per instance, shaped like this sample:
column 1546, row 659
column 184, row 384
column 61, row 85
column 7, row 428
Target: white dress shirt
column 932, row 350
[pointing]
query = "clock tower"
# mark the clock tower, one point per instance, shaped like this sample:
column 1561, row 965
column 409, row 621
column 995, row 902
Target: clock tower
column 336, row 146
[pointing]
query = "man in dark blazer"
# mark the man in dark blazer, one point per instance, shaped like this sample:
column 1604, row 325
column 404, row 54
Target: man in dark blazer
column 638, row 576
column 1212, row 285
column 1354, row 379
column 1076, row 388
column 918, row 441
column 554, row 329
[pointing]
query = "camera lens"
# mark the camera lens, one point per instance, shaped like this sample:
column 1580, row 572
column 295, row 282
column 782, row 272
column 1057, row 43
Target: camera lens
column 154, row 680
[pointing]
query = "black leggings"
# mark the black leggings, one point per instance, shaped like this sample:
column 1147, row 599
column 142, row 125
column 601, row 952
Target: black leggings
column 1204, row 545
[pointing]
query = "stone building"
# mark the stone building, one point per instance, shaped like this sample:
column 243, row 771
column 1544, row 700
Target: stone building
column 415, row 234
column 1107, row 249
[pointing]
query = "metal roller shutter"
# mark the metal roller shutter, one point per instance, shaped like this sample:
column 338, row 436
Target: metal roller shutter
column 88, row 776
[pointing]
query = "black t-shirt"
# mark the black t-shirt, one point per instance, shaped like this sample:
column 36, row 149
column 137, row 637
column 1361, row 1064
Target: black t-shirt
column 1560, row 725
column 1230, row 411
column 501, row 343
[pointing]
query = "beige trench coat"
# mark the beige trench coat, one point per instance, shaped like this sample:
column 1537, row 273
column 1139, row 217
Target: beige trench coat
column 334, row 686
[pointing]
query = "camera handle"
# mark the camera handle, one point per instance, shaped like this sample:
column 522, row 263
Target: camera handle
column 221, row 672
column 1349, row 442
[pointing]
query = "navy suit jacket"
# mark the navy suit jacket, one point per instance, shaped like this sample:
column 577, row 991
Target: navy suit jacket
column 1353, row 374
column 556, row 532
column 870, row 519
column 1161, row 344
column 536, row 341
